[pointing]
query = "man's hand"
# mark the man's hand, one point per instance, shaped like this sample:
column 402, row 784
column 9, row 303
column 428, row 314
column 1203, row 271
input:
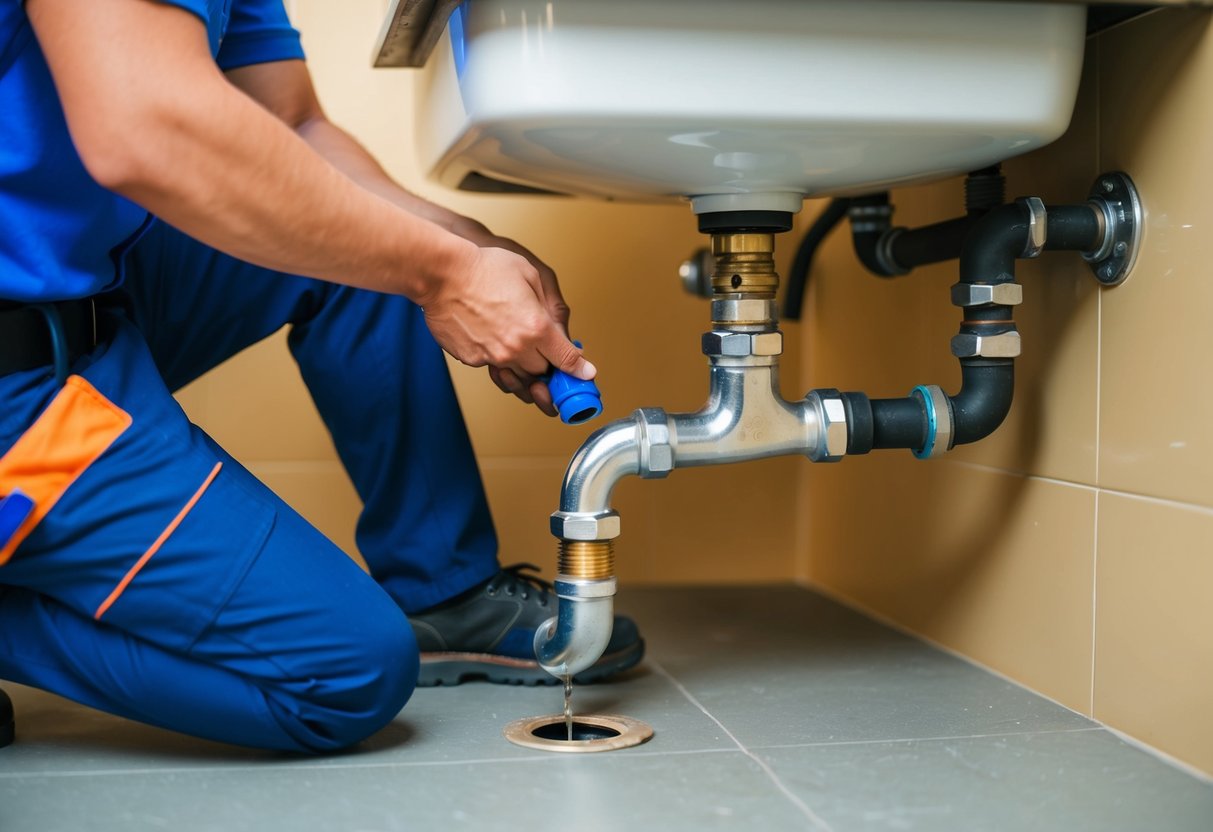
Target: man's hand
column 496, row 313
column 526, row 387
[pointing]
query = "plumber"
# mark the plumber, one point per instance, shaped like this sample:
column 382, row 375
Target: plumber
column 170, row 193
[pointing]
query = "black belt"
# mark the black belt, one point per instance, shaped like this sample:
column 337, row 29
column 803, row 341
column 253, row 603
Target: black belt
column 27, row 338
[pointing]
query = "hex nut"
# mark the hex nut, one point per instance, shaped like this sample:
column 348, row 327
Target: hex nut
column 742, row 344
column 1002, row 345
column 656, row 454
column 832, row 416
column 569, row 525
column 766, row 343
column 734, row 344
column 979, row 294
column 1038, row 227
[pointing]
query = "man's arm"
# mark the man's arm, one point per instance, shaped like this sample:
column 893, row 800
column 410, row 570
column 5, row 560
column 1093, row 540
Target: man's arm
column 155, row 120
column 285, row 89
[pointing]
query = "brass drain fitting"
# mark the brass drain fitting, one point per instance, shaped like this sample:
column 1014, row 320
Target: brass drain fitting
column 586, row 559
column 745, row 264
column 609, row 732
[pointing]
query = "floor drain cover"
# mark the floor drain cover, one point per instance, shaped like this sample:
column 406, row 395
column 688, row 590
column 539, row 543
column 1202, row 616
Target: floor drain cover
column 591, row 732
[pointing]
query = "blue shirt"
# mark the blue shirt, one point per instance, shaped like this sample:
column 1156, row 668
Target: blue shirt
column 61, row 234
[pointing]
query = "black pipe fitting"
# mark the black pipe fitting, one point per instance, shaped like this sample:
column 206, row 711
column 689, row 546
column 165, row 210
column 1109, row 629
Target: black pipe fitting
column 871, row 218
column 898, row 251
column 986, row 389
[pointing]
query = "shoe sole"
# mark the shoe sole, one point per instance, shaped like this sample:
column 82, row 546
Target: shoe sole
column 451, row 669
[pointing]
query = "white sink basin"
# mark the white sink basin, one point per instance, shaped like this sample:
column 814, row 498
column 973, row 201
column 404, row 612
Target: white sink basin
column 743, row 104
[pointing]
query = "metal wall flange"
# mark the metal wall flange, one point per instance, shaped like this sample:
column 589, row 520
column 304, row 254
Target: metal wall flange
column 1115, row 199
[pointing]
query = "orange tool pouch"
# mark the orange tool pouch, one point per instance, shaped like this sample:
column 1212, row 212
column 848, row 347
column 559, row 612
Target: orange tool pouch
column 71, row 434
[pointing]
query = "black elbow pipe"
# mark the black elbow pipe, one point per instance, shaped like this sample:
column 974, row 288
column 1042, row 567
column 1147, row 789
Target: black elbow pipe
column 986, row 389
column 870, row 220
column 798, row 276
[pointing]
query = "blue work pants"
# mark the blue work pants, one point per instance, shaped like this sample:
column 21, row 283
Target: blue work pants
column 245, row 624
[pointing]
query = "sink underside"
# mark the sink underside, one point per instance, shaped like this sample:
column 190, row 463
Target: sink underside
column 751, row 105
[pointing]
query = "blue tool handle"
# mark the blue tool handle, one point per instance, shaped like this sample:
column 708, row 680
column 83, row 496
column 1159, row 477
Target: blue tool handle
column 14, row 509
column 576, row 400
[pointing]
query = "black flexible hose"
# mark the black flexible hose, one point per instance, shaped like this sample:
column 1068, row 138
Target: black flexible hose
column 798, row 276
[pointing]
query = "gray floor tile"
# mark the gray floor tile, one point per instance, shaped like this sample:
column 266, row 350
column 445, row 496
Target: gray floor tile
column 841, row 709
column 785, row 665
column 438, row 725
column 1068, row 782
column 700, row 791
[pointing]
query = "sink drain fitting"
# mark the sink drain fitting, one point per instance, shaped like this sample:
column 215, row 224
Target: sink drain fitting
column 591, row 732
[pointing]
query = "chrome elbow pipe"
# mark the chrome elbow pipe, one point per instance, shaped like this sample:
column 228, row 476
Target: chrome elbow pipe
column 744, row 418
column 587, row 527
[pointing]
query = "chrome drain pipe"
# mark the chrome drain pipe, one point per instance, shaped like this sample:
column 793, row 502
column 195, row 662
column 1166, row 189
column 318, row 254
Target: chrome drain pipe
column 745, row 418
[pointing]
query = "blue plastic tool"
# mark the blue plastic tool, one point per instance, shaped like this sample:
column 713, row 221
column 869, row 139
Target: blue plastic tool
column 577, row 401
column 13, row 510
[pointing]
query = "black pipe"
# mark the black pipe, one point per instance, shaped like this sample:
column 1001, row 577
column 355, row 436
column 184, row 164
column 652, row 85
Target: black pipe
column 916, row 247
column 1073, row 228
column 986, row 389
column 870, row 220
column 905, row 249
column 798, row 276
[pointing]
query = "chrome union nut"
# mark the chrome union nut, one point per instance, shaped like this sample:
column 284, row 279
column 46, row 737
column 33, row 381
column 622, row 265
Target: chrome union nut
column 656, row 453
column 573, row 525
column 732, row 344
column 1002, row 345
column 832, row 417
column 742, row 344
column 766, row 343
column 979, row 294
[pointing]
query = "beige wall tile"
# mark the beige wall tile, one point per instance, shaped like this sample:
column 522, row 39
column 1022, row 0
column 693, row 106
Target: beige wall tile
column 1157, row 111
column 994, row 565
column 1154, row 625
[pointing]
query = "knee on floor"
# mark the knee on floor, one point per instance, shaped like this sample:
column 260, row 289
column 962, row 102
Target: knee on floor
column 365, row 689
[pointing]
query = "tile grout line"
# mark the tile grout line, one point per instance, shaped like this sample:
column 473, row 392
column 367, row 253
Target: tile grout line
column 1200, row 508
column 1098, row 48
column 1094, row 602
column 295, row 769
column 894, row 740
column 813, row 817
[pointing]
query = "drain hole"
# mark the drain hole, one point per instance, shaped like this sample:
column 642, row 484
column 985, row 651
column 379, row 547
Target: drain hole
column 581, row 731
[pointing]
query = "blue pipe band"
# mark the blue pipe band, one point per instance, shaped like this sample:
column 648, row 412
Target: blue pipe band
column 927, row 449
column 576, row 400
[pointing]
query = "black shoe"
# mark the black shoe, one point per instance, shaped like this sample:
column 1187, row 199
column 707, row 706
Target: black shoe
column 488, row 633
column 6, row 720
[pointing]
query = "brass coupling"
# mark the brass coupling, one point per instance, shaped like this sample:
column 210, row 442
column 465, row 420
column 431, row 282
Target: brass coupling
column 586, row 559
column 745, row 264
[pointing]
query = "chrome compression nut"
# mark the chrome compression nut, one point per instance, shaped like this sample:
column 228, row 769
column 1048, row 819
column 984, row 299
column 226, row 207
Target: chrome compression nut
column 1002, row 345
column 831, row 415
column 1038, row 226
column 568, row 525
column 742, row 344
column 656, row 453
column 980, row 294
